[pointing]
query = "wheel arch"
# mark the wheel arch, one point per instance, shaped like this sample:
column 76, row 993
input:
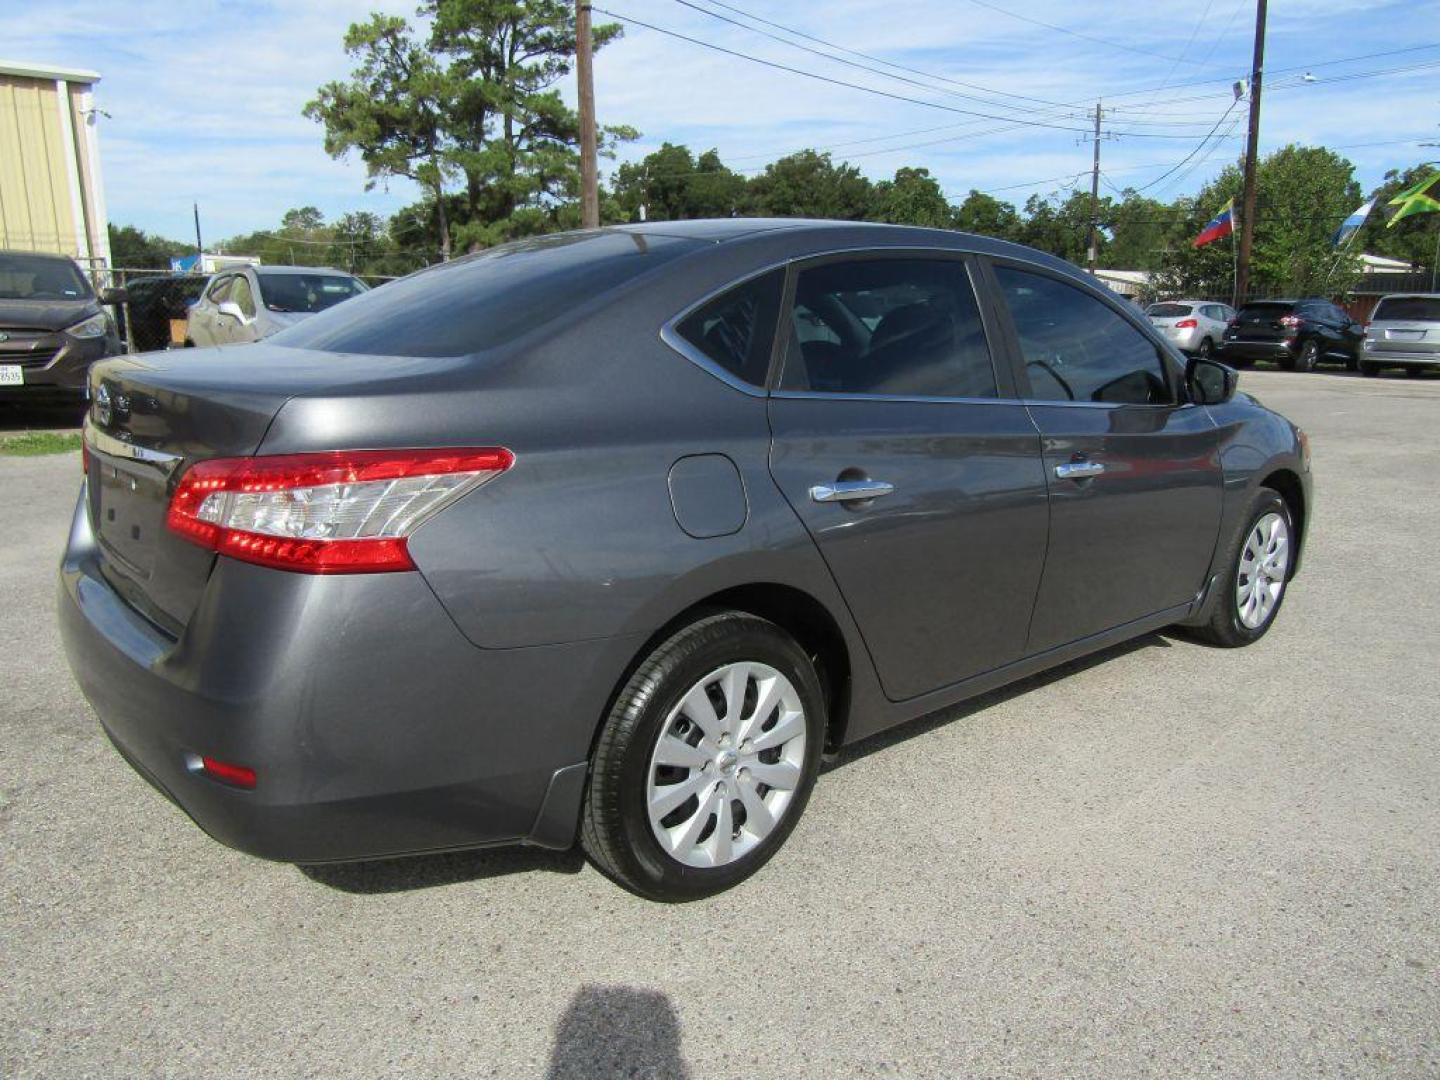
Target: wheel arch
column 798, row 613
column 1286, row 483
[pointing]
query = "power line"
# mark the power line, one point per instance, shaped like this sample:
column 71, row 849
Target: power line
column 1086, row 37
column 1199, row 146
column 868, row 89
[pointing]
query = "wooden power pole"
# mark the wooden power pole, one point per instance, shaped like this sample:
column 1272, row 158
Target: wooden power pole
column 1095, row 198
column 1252, row 150
column 585, row 72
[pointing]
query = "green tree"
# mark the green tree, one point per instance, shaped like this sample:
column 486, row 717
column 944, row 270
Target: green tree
column 135, row 249
column 912, row 198
column 809, row 184
column 672, row 185
column 393, row 111
column 986, row 215
column 1061, row 226
column 1140, row 231
column 1412, row 239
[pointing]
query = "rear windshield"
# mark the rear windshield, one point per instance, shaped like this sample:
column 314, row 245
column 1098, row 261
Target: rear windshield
column 1168, row 311
column 1409, row 309
column 484, row 300
column 1265, row 311
column 26, row 277
column 306, row 292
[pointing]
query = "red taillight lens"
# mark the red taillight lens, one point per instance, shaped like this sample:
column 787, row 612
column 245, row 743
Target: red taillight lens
column 1186, row 324
column 342, row 512
column 240, row 776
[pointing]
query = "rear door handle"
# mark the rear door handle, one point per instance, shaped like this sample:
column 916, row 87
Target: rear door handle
column 1079, row 470
column 850, row 490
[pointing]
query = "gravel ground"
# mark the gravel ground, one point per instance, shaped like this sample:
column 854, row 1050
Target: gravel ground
column 1166, row 860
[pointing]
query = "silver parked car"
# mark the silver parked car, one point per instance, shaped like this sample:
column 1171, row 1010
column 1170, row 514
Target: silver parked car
column 1403, row 332
column 253, row 302
column 1192, row 326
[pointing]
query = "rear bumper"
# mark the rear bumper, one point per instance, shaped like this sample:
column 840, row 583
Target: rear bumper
column 374, row 726
column 1406, row 358
column 1257, row 350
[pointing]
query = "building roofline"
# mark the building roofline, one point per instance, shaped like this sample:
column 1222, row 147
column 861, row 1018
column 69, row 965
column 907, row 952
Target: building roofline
column 48, row 71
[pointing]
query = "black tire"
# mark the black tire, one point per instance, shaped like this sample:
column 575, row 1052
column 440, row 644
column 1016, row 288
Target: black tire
column 1225, row 627
column 1309, row 356
column 1368, row 369
column 1206, row 350
column 1414, row 372
column 615, row 827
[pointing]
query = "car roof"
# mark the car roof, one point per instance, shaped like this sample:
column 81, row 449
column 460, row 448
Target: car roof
column 1411, row 296
column 329, row 271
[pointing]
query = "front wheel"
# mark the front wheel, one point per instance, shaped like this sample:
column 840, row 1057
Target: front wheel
column 1206, row 350
column 1251, row 592
column 706, row 759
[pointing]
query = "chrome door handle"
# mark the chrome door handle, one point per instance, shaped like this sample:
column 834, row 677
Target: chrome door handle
column 850, row 490
column 1079, row 470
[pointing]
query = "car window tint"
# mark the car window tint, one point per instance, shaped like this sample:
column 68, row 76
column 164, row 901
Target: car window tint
column 306, row 293
column 219, row 289
column 737, row 329
column 485, row 300
column 905, row 327
column 1168, row 311
column 1076, row 348
column 240, row 294
column 1409, row 309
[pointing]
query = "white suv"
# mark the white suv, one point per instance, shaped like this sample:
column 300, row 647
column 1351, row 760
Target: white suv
column 1193, row 326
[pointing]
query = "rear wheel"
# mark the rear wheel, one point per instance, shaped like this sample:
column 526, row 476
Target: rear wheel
column 1206, row 350
column 1252, row 590
column 1368, row 369
column 1309, row 356
column 1414, row 372
column 706, row 759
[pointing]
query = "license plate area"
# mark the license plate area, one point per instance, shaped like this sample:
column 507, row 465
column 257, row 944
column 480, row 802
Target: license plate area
column 129, row 512
column 12, row 375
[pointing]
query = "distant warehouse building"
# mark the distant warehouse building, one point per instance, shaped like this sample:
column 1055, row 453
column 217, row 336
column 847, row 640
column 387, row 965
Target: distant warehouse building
column 51, row 194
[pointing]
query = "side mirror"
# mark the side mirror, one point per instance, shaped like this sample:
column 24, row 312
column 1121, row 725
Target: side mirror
column 1210, row 382
column 115, row 295
column 232, row 309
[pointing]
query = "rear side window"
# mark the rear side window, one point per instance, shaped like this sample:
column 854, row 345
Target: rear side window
column 483, row 301
column 1409, row 309
column 896, row 327
column 736, row 330
column 1076, row 348
column 1168, row 311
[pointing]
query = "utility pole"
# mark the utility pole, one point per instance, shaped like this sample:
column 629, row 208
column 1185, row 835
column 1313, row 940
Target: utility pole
column 585, row 73
column 1252, row 151
column 199, row 247
column 1095, row 198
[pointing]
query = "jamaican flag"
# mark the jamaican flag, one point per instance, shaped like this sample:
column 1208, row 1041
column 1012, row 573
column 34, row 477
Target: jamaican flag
column 1419, row 199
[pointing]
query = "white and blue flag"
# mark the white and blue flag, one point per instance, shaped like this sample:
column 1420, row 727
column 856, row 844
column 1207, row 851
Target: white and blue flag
column 1351, row 225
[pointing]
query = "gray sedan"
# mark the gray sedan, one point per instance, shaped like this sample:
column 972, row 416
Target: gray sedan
column 610, row 535
column 251, row 303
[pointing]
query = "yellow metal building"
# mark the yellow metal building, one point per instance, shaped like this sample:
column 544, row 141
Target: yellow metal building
column 51, row 194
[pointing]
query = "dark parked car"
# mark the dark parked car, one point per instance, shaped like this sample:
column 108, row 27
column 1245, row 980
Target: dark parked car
column 1296, row 334
column 613, row 533
column 155, row 302
column 52, row 327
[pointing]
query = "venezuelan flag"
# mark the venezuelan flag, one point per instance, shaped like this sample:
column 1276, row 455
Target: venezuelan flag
column 1222, row 224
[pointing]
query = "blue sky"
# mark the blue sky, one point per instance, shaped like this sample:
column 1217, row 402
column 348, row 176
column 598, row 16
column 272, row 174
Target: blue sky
column 204, row 98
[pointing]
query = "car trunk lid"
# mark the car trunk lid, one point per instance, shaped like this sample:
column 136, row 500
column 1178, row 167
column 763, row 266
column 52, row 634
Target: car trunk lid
column 1262, row 322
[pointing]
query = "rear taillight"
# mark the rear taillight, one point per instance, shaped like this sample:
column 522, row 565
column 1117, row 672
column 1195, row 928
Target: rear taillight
column 1290, row 321
column 341, row 512
column 1186, row 324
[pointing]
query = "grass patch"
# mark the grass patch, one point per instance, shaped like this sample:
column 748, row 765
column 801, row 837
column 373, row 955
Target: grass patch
column 35, row 443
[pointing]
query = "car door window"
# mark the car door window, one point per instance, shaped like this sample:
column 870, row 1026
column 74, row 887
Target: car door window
column 892, row 327
column 242, row 296
column 219, row 290
column 736, row 330
column 1076, row 348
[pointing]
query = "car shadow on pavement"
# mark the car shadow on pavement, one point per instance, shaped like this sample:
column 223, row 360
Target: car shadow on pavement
column 925, row 724
column 450, row 868
column 29, row 416
column 617, row 1031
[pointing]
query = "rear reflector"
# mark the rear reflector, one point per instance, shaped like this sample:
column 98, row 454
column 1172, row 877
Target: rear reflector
column 340, row 512
column 241, row 776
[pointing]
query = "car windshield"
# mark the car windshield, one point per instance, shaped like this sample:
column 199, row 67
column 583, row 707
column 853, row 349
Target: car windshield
column 1408, row 309
column 1168, row 311
column 33, row 277
column 485, row 300
column 307, row 293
